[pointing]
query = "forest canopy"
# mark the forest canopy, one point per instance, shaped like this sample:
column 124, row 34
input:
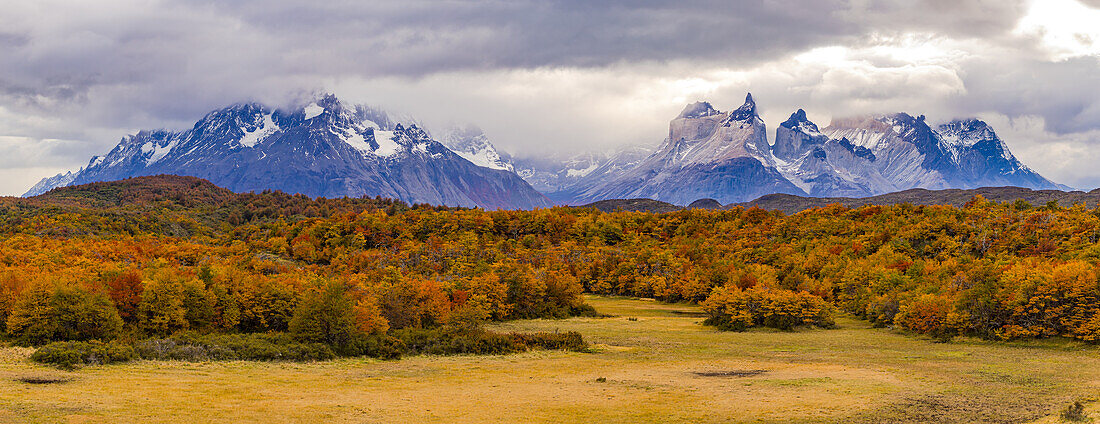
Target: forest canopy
column 161, row 256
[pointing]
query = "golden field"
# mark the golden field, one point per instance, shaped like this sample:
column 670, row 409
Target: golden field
column 646, row 367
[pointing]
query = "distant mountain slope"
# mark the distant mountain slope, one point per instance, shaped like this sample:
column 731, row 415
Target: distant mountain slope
column 919, row 196
column 559, row 177
column 324, row 149
column 633, row 205
column 49, row 183
column 175, row 189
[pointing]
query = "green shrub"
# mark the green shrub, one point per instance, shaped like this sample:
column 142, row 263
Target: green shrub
column 585, row 310
column 571, row 341
column 226, row 347
column 44, row 314
column 382, row 346
column 326, row 317
column 80, row 315
column 443, row 341
column 69, row 355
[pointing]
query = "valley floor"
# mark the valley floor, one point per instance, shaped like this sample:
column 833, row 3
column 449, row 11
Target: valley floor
column 654, row 362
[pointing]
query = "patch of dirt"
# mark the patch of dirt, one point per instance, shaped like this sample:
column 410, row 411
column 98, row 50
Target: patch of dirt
column 43, row 379
column 968, row 409
column 733, row 373
column 688, row 313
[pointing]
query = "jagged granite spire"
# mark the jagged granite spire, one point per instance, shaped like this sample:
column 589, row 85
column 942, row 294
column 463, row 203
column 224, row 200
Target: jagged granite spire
column 746, row 112
column 797, row 120
column 795, row 135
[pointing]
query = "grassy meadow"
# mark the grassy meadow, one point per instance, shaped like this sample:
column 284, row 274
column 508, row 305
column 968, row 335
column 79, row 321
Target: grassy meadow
column 651, row 362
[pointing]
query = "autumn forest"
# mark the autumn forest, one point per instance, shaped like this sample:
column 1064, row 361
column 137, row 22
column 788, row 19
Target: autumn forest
column 154, row 266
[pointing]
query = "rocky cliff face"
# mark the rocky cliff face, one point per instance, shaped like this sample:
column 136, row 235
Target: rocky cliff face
column 324, row 149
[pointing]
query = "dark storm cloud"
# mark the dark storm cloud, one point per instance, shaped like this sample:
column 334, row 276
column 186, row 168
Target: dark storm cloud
column 93, row 71
column 494, row 34
column 173, row 60
column 1067, row 93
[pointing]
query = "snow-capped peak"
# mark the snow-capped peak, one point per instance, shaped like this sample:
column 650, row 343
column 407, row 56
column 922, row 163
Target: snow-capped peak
column 471, row 144
column 962, row 134
column 966, row 132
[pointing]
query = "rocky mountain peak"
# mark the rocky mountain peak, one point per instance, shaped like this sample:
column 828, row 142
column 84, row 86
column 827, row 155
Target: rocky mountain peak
column 746, row 112
column 329, row 102
column 799, row 122
column 967, row 132
column 797, row 119
column 795, row 135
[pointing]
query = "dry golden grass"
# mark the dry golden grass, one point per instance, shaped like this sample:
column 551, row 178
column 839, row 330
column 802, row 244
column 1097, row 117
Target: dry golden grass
column 648, row 357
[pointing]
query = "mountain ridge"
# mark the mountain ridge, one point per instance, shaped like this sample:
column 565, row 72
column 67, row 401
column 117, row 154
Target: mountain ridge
column 790, row 204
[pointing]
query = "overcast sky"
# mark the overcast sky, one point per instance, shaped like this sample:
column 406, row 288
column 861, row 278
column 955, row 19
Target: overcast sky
column 549, row 76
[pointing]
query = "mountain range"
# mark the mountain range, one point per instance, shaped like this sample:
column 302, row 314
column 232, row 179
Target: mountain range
column 328, row 149
column 324, row 149
column 726, row 156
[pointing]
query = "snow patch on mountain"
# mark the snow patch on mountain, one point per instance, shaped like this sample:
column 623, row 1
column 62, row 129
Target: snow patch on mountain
column 157, row 152
column 386, row 144
column 258, row 135
column 356, row 140
column 576, row 173
column 313, row 110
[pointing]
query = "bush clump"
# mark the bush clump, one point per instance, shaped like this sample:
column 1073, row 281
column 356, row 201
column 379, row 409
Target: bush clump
column 43, row 314
column 570, row 340
column 931, row 315
column 1075, row 413
column 733, row 309
column 326, row 316
column 69, row 355
column 449, row 341
column 228, row 347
